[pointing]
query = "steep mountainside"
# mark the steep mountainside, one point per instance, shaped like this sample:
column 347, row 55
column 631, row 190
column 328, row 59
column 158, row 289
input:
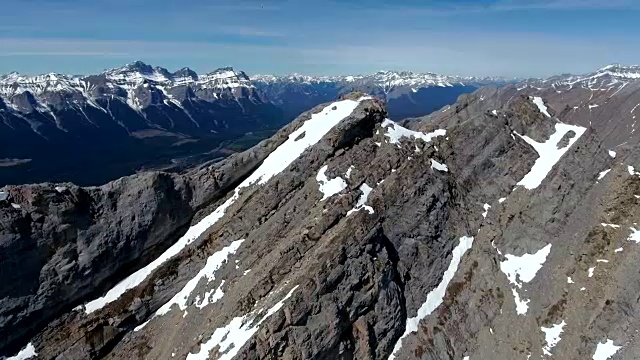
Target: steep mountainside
column 407, row 94
column 608, row 100
column 95, row 128
column 496, row 228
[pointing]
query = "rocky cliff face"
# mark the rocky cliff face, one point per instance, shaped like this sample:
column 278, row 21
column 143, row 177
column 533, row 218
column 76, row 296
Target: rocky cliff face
column 493, row 229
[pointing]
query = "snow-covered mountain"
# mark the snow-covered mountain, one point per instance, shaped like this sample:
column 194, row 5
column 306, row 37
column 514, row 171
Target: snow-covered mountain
column 125, row 84
column 78, row 120
column 386, row 79
column 607, row 99
column 57, row 126
column 614, row 75
column 408, row 94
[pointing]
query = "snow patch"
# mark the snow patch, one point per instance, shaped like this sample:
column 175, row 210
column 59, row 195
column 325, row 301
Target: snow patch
column 552, row 336
column 541, row 106
column 141, row 326
column 231, row 338
column 27, row 353
column 502, row 200
column 618, row 250
column 486, row 210
column 315, row 128
column 522, row 305
column 591, row 270
column 612, row 153
column 211, row 296
column 329, row 187
column 214, row 262
column 435, row 296
column 522, row 269
column 438, row 166
column 603, row 174
column 605, row 350
column 610, row 225
column 348, row 173
column 362, row 200
column 635, row 235
column 570, row 280
column 548, row 153
column 396, row 132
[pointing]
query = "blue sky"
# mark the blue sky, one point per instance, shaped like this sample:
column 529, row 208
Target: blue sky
column 467, row 37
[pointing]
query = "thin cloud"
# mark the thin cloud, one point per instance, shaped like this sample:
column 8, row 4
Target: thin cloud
column 247, row 6
column 70, row 46
column 510, row 6
column 246, row 31
column 63, row 53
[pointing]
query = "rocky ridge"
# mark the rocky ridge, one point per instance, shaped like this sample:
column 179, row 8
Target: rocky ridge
column 607, row 100
column 490, row 229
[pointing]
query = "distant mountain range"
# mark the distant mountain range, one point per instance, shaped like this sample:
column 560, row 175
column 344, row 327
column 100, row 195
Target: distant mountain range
column 94, row 128
column 407, row 94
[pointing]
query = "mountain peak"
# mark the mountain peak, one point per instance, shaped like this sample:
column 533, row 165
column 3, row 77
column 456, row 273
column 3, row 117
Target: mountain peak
column 226, row 76
column 139, row 65
column 621, row 71
column 185, row 73
column 222, row 70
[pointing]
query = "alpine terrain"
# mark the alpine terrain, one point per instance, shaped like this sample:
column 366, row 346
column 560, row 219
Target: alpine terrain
column 504, row 226
column 95, row 128
column 407, row 94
